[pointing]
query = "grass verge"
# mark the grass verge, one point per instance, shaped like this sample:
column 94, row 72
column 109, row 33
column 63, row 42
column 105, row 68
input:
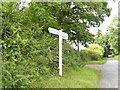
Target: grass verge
column 101, row 61
column 83, row 78
column 117, row 57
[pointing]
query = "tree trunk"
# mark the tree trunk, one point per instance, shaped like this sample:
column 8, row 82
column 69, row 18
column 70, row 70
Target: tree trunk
column 78, row 45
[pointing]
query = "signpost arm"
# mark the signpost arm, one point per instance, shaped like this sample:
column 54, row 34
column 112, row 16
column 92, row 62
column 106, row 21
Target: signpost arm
column 62, row 35
column 60, row 53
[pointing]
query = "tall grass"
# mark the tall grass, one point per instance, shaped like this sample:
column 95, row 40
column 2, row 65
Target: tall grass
column 81, row 78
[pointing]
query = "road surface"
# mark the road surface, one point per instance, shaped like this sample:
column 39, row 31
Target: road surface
column 109, row 72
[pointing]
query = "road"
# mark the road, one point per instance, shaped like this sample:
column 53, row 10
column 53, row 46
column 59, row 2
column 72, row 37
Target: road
column 109, row 72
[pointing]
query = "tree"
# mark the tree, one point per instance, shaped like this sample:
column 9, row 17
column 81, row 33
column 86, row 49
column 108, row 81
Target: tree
column 103, row 40
column 98, row 38
column 113, row 31
column 21, row 26
column 76, row 20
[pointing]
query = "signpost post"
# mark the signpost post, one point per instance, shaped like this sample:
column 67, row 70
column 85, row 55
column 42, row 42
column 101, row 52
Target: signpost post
column 62, row 35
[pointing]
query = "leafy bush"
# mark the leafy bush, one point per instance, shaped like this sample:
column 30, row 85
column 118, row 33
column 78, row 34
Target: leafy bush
column 117, row 57
column 88, row 54
column 29, row 53
column 37, row 59
column 71, row 57
column 97, row 48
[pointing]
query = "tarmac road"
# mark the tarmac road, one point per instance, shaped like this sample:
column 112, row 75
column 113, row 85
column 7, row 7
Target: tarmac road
column 109, row 74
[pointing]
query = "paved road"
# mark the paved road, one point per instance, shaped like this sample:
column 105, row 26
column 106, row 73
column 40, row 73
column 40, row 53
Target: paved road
column 109, row 72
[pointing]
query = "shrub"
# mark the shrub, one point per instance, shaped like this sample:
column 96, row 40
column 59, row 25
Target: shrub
column 29, row 52
column 94, row 55
column 117, row 57
column 97, row 48
column 88, row 54
column 40, row 60
column 71, row 57
column 84, row 54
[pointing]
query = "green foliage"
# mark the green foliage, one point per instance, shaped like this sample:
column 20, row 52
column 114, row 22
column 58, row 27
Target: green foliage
column 88, row 54
column 97, row 48
column 81, row 78
column 117, row 57
column 19, row 75
column 103, row 40
column 100, row 61
column 99, row 38
column 29, row 53
column 40, row 66
column 69, row 55
column 80, row 18
column 113, row 30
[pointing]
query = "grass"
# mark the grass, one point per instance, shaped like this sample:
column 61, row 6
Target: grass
column 83, row 78
column 101, row 61
column 117, row 57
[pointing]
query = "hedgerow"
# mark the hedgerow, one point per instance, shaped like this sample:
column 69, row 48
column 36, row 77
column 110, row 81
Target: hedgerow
column 97, row 48
column 88, row 54
column 29, row 51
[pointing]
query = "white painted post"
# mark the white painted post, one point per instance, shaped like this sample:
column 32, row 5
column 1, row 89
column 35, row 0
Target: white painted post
column 60, row 53
column 62, row 35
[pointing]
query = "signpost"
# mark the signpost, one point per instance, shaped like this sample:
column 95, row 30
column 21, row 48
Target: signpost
column 62, row 35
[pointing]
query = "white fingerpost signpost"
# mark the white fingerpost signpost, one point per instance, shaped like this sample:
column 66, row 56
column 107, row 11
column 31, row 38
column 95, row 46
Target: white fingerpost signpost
column 62, row 35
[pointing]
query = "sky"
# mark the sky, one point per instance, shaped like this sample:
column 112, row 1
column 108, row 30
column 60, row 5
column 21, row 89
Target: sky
column 108, row 20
